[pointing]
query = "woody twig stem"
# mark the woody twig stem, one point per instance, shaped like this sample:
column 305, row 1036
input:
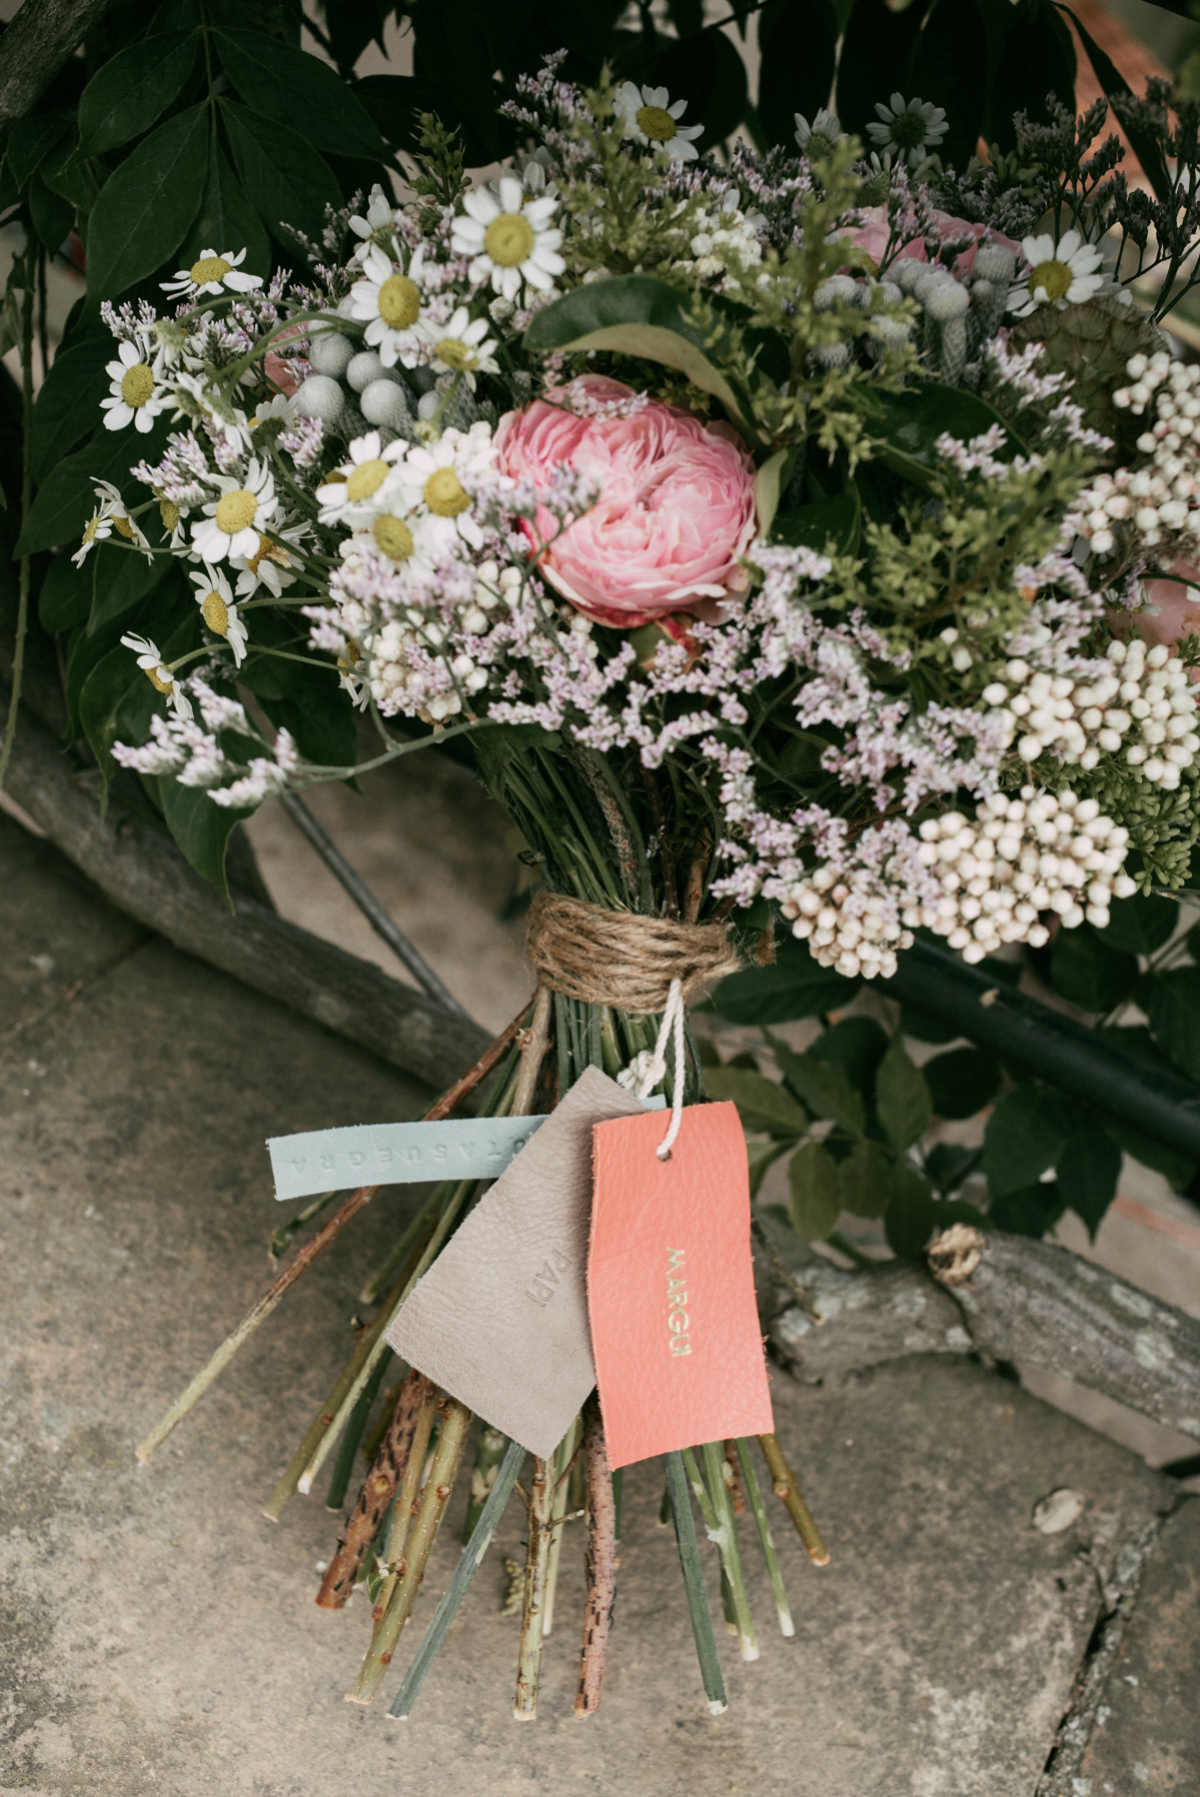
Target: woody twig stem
column 787, row 1490
column 488, row 1456
column 529, row 1661
column 456, row 1421
column 723, row 1530
column 403, row 1511
column 783, row 1609
column 379, row 1488
column 563, row 1465
column 602, row 1564
column 534, row 1044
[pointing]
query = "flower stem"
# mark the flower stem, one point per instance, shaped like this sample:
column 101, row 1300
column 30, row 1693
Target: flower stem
column 787, row 1490
column 731, row 1561
column 343, row 1466
column 379, row 1488
column 405, row 1507
column 278, row 1244
column 488, row 1455
column 464, row 1572
column 529, row 1661
column 783, row 1609
column 693, row 1584
column 563, row 1465
column 601, row 1564
column 456, row 1422
column 18, row 662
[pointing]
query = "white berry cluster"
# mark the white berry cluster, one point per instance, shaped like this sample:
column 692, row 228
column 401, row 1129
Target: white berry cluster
column 726, row 237
column 1144, row 704
column 1159, row 501
column 1019, row 858
column 863, row 940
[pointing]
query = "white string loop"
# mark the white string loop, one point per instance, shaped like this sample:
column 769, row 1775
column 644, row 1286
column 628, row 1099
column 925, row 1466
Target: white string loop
column 648, row 1068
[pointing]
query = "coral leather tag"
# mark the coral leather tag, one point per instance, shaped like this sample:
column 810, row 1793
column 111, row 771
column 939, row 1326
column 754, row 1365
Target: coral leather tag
column 675, row 1331
column 500, row 1319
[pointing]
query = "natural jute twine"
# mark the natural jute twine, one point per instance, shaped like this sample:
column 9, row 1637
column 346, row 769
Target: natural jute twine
column 621, row 959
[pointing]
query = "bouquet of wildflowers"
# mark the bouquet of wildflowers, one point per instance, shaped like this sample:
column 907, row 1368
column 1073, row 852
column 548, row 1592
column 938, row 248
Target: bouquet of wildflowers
column 782, row 533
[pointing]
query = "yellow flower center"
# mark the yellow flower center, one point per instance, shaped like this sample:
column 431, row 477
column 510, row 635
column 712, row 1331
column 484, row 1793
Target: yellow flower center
column 168, row 511
column 399, row 302
column 350, row 657
column 215, row 613
column 366, row 479
column 267, row 551
column 656, row 123
column 157, row 682
column 1053, row 277
column 509, row 239
column 453, row 353
column 137, row 386
column 444, row 493
column 209, row 268
column 236, row 511
column 394, row 538
column 124, row 527
column 91, row 527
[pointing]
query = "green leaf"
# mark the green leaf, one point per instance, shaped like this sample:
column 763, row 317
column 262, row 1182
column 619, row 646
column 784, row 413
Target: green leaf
column 761, row 1160
column 909, row 424
column 144, row 209
column 1088, row 1170
column 816, row 1192
column 952, row 39
column 636, row 315
column 132, row 89
column 1138, row 926
column 68, row 401
column 115, row 705
column 766, row 490
column 866, row 1176
column 66, row 595
column 876, row 49
column 948, row 1164
column 961, row 1082
column 284, row 177
column 226, row 219
column 121, row 579
column 66, row 499
column 1145, row 145
column 1176, row 1168
column 798, row 43
column 914, row 1214
column 1025, row 1135
column 706, row 67
column 53, row 217
column 1037, row 59
column 31, row 140
column 763, row 1106
column 289, row 87
column 1088, row 972
column 794, row 986
column 1172, row 1003
column 823, row 1088
column 902, row 1098
column 1032, row 1211
column 830, row 526
column 856, row 1046
column 201, row 828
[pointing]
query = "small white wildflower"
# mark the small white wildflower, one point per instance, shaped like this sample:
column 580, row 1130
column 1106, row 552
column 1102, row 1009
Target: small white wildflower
column 909, row 128
column 211, row 273
column 648, row 117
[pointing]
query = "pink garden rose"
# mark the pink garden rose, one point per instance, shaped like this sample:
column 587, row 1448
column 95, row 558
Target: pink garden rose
column 872, row 236
column 676, row 505
column 1177, row 615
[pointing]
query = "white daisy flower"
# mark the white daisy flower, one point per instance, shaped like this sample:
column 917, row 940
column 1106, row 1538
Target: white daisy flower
column 647, row 117
column 389, row 302
column 909, row 130
column 361, row 488
column 432, row 476
column 111, row 514
column 825, row 128
column 462, row 345
column 211, row 273
column 214, row 596
column 172, row 515
column 407, row 540
column 1060, row 274
column 233, row 523
column 270, row 566
column 158, row 674
column 376, row 226
column 509, row 237
column 134, row 397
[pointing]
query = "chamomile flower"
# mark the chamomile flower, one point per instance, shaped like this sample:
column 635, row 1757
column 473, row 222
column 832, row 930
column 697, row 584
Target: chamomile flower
column 110, row 514
column 361, row 488
column 432, row 477
column 157, row 672
column 172, row 515
column 377, row 226
column 462, row 345
column 648, row 117
column 214, row 596
column 910, row 129
column 388, row 301
column 825, row 130
column 213, row 274
column 1060, row 274
column 271, row 566
column 509, row 237
column 233, row 523
column 134, row 396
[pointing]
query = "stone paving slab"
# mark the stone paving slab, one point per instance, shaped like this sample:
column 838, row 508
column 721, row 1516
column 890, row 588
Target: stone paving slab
column 160, row 1636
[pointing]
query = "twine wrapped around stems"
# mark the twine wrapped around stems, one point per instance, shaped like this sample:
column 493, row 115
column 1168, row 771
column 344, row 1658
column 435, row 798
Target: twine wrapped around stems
column 620, row 958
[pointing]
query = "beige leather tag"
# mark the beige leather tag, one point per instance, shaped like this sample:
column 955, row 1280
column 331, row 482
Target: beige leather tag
column 500, row 1320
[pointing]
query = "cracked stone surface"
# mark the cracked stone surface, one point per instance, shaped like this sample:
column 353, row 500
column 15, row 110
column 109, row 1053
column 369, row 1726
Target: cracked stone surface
column 160, row 1636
